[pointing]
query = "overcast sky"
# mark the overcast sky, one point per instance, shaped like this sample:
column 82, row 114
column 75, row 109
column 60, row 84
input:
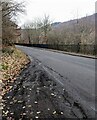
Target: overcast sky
column 58, row 10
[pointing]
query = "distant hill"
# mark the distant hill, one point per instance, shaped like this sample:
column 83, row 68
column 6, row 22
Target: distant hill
column 88, row 19
column 72, row 31
column 55, row 24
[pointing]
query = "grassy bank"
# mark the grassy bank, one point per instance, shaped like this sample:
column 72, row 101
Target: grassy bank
column 13, row 61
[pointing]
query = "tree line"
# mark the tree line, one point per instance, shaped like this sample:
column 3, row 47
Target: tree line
column 41, row 31
column 37, row 31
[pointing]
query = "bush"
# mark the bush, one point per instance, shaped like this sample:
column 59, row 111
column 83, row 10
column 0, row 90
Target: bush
column 8, row 50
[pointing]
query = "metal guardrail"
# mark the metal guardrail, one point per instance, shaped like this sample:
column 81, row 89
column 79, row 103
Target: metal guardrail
column 84, row 49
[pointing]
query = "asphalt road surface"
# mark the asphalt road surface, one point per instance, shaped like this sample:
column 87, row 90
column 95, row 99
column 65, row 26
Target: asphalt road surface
column 79, row 72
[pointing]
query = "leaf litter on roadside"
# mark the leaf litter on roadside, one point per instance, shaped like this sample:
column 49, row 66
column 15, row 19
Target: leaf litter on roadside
column 10, row 67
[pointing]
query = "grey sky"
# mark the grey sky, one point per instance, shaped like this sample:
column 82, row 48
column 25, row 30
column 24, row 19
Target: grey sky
column 58, row 10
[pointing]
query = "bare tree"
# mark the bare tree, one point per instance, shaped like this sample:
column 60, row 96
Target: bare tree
column 9, row 10
column 38, row 30
column 46, row 26
column 26, row 34
column 37, row 24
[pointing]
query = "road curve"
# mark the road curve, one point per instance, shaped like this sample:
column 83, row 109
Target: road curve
column 78, row 71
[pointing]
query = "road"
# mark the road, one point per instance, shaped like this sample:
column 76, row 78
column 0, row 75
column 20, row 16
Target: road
column 77, row 71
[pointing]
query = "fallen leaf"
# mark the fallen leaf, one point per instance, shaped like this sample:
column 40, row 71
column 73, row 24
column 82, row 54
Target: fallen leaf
column 38, row 112
column 24, row 113
column 24, row 107
column 52, row 94
column 36, row 117
column 20, row 101
column 62, row 113
column 29, row 105
column 35, row 102
column 31, row 113
column 54, row 112
column 48, row 109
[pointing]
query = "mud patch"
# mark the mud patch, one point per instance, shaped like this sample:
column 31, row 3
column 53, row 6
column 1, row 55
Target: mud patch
column 35, row 94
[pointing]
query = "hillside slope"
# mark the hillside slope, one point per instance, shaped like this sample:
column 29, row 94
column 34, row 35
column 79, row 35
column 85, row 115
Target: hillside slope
column 72, row 31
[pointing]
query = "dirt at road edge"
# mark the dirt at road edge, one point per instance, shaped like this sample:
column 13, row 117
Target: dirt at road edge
column 35, row 94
